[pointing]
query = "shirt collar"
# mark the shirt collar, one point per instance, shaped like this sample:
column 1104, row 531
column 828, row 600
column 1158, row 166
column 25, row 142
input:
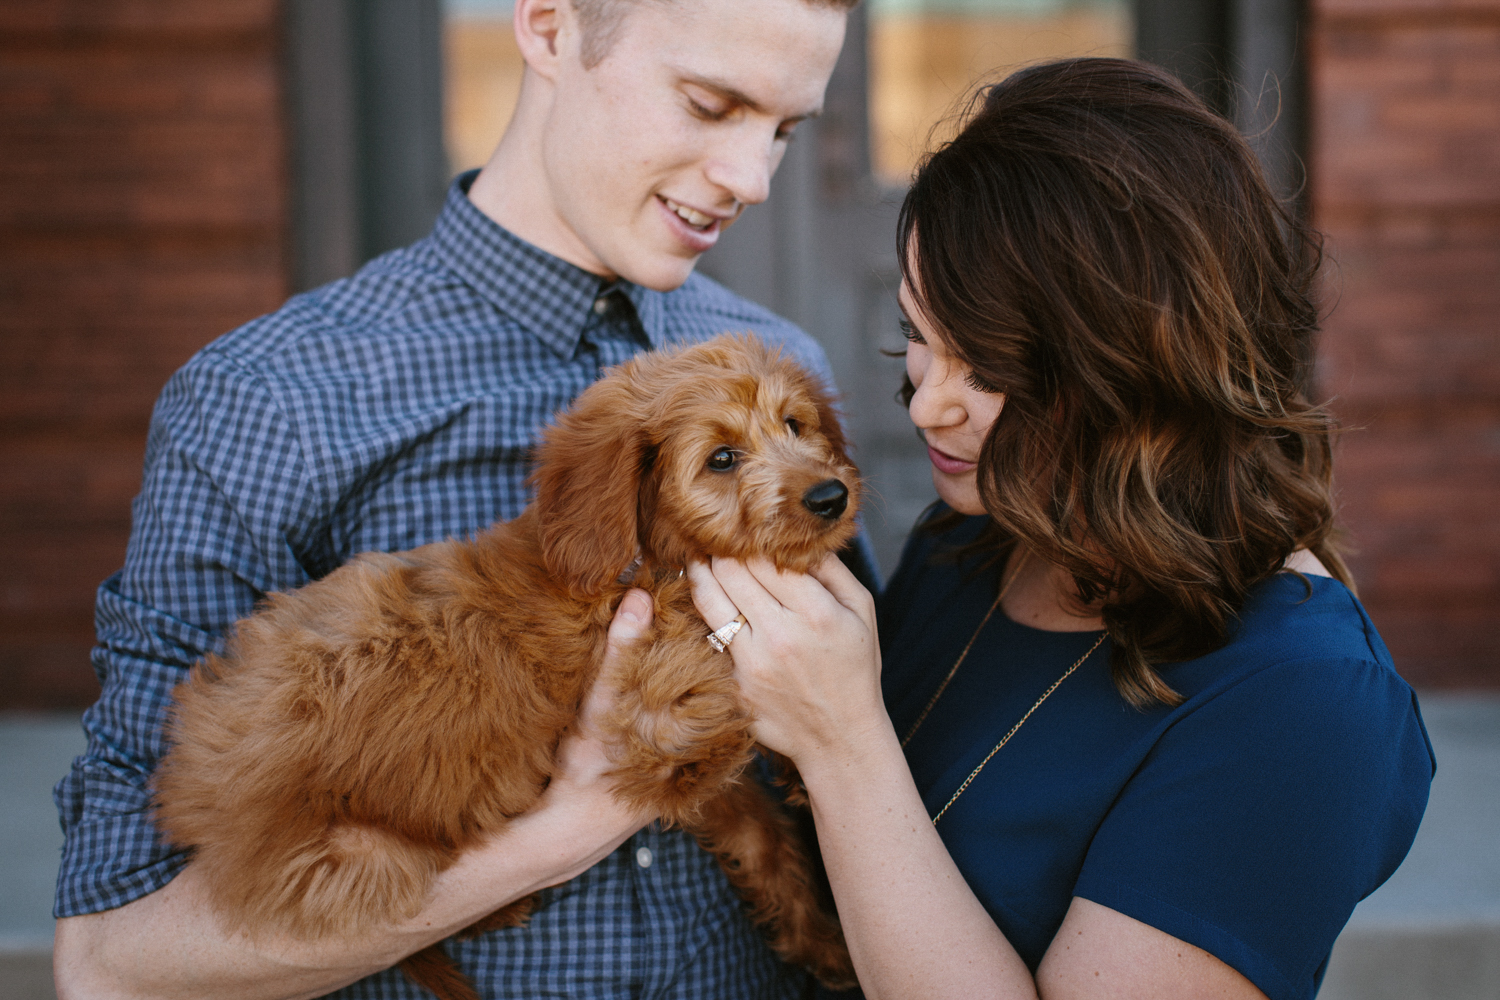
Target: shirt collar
column 549, row 297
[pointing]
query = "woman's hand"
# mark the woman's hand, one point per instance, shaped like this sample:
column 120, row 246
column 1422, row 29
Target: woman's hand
column 808, row 662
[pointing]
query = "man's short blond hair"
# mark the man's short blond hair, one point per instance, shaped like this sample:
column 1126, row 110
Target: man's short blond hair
column 599, row 22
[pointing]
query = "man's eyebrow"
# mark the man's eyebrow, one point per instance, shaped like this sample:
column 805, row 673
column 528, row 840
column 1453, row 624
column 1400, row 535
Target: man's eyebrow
column 738, row 96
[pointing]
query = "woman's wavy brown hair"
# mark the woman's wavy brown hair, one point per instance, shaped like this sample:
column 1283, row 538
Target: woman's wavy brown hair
column 1104, row 249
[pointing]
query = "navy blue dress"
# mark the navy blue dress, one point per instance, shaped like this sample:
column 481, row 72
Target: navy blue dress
column 1249, row 820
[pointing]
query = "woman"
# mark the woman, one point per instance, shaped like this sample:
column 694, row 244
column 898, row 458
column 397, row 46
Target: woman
column 1152, row 744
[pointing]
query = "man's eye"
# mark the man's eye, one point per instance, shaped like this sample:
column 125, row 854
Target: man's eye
column 910, row 332
column 707, row 113
column 722, row 460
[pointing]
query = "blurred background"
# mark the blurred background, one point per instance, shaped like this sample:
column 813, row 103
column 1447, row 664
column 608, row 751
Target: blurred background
column 172, row 168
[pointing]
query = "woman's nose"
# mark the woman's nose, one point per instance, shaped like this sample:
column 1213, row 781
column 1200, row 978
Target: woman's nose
column 934, row 404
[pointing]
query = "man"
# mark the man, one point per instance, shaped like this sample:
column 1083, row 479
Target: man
column 398, row 407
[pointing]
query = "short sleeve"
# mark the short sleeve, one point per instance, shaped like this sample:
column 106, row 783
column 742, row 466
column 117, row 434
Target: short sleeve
column 1261, row 818
column 211, row 534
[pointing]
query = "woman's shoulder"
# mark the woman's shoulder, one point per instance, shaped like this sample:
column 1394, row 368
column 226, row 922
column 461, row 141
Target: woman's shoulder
column 1306, row 668
column 1297, row 767
column 1311, row 627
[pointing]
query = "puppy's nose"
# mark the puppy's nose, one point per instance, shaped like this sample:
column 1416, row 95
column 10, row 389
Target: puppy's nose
column 827, row 499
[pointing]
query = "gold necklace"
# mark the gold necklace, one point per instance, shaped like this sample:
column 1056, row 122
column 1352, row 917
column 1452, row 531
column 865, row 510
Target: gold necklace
column 1013, row 729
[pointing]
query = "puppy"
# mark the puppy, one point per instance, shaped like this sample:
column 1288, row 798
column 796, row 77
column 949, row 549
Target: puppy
column 362, row 732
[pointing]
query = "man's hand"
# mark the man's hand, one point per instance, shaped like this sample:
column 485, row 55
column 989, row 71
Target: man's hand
column 171, row 944
column 581, row 785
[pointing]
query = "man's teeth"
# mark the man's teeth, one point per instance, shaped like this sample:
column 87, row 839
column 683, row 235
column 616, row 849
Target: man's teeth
column 691, row 216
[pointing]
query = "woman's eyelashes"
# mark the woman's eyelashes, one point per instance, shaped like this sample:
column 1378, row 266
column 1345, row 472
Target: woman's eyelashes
column 978, row 384
column 972, row 378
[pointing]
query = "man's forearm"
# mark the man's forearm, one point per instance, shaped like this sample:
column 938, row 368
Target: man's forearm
column 170, row 944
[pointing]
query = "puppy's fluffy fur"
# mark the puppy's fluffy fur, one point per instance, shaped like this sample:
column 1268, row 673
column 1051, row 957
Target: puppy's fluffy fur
column 363, row 731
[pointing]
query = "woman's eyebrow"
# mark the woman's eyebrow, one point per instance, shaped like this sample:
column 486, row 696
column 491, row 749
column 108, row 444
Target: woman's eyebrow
column 731, row 93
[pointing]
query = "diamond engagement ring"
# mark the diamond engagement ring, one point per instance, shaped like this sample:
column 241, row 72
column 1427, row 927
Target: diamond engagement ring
column 720, row 638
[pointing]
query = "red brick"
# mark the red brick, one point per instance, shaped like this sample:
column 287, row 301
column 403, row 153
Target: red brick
column 44, row 672
column 60, row 480
column 114, row 18
column 89, row 330
column 1404, row 9
column 142, row 213
column 51, row 575
column 1410, row 324
column 1406, row 115
column 1448, row 645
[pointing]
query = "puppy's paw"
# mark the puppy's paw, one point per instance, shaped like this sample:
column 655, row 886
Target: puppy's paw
column 514, row 915
column 677, row 755
column 818, row 945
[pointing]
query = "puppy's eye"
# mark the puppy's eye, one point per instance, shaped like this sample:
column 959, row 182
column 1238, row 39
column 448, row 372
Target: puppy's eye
column 722, row 460
column 795, row 426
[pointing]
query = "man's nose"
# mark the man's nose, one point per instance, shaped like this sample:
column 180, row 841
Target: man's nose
column 743, row 167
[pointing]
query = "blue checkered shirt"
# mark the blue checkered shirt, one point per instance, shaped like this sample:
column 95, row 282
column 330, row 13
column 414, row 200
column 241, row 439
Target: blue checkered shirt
column 382, row 412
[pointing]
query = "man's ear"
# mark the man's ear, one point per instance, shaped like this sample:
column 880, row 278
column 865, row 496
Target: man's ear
column 544, row 29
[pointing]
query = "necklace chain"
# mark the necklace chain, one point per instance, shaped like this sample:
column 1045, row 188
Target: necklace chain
column 1013, row 729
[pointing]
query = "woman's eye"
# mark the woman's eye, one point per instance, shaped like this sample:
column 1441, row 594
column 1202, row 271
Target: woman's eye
column 795, row 426
column 910, row 332
column 978, row 384
column 722, row 460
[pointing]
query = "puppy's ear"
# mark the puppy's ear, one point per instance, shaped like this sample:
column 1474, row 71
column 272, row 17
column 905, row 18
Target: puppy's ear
column 588, row 480
column 830, row 420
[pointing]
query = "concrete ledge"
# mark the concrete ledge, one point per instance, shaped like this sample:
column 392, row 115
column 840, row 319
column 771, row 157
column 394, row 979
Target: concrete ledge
column 1431, row 933
column 1415, row 963
column 26, row 974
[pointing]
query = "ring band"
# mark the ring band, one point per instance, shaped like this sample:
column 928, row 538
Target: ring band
column 720, row 638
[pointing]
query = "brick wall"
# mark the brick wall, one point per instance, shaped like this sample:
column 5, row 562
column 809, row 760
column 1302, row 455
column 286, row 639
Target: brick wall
column 142, row 213
column 143, row 208
column 1406, row 183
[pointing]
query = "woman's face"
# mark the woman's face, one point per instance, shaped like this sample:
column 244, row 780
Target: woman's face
column 951, row 407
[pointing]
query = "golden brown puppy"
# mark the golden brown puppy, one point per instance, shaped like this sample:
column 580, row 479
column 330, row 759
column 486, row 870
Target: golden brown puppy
column 364, row 730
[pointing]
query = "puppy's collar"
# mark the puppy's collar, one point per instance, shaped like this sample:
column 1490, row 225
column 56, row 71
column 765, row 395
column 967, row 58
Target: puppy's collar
column 628, row 574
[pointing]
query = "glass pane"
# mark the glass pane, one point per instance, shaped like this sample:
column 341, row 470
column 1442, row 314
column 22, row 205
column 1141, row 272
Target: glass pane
column 925, row 55
column 482, row 76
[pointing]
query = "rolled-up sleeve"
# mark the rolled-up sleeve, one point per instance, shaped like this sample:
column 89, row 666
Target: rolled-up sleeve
column 223, row 497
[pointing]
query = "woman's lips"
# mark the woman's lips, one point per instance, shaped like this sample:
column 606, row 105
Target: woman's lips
column 947, row 463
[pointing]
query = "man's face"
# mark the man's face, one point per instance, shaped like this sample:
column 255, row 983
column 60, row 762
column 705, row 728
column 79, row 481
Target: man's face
column 659, row 146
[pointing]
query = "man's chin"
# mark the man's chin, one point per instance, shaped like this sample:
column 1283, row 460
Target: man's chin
column 661, row 273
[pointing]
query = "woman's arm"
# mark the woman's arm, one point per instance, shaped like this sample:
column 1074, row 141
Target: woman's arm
column 169, row 943
column 809, row 665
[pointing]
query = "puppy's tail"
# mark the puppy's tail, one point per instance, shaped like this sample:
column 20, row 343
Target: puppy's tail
column 433, row 970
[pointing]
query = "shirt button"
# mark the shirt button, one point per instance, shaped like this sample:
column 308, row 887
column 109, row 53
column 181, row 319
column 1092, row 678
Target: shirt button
column 601, row 306
column 643, row 857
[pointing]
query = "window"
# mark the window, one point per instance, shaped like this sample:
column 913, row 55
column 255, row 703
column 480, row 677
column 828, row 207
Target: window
column 925, row 55
column 481, row 78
